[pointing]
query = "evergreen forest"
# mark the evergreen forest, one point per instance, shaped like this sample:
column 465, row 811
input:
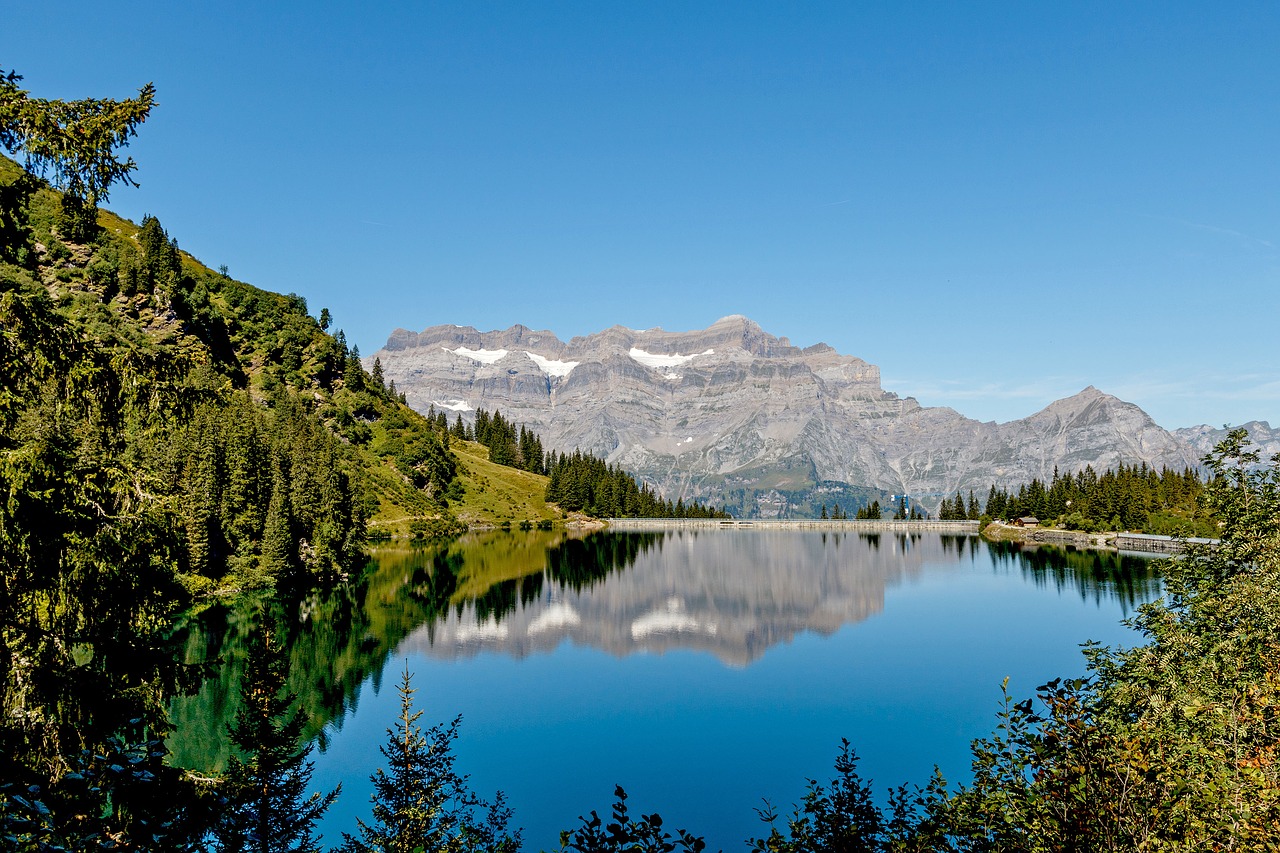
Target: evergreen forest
column 1129, row 497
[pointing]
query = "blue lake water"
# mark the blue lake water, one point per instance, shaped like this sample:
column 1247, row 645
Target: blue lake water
column 707, row 671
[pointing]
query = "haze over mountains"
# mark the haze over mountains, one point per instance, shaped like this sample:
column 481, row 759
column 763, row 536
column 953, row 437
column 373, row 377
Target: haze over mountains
column 734, row 415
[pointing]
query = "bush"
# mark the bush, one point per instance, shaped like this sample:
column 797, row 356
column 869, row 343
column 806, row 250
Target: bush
column 1077, row 521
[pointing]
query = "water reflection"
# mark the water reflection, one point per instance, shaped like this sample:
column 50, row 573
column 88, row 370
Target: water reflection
column 733, row 595
column 339, row 638
column 1097, row 576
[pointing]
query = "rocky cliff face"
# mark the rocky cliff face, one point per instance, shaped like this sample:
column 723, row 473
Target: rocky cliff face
column 1203, row 438
column 731, row 413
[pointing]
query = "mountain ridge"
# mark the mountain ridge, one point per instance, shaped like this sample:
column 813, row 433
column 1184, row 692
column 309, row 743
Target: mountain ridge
column 727, row 412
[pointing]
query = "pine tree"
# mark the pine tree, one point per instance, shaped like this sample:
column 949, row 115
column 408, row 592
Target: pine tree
column 353, row 375
column 279, row 544
column 268, row 809
column 202, row 490
column 421, row 802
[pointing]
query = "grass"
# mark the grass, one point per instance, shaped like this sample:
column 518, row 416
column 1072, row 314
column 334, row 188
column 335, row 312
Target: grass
column 494, row 495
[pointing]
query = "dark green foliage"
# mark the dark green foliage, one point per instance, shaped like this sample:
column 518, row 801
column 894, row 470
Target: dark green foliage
column 417, row 448
column 871, row 511
column 956, row 510
column 1130, row 497
column 106, row 800
column 625, row 834
column 73, row 144
column 17, row 243
column 266, row 807
column 580, row 482
column 263, row 492
column 1171, row 745
column 840, row 816
column 500, row 436
column 420, row 802
column 153, row 445
column 203, row 457
column 353, row 375
column 88, row 581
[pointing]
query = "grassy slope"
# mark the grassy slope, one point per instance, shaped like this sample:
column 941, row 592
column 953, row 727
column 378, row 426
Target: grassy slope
column 495, row 494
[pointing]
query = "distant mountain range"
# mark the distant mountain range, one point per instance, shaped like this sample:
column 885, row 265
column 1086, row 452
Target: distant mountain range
column 733, row 415
column 1203, row 438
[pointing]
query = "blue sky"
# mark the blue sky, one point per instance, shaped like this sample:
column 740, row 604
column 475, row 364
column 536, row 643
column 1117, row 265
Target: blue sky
column 998, row 203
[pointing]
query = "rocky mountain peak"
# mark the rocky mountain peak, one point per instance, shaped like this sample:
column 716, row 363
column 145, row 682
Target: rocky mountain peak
column 729, row 411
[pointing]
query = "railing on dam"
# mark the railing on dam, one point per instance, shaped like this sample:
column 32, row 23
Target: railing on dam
column 789, row 524
column 1157, row 544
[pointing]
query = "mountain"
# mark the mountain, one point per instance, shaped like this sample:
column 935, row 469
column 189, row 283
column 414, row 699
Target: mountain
column 736, row 416
column 1203, row 438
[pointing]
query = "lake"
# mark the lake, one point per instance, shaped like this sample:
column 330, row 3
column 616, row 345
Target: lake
column 704, row 671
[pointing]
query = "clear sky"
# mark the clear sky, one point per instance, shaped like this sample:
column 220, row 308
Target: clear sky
column 998, row 203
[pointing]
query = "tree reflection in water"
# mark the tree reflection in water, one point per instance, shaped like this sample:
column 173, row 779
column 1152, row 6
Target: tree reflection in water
column 500, row 591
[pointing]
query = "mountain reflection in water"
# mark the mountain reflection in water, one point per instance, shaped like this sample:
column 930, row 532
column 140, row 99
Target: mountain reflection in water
column 731, row 594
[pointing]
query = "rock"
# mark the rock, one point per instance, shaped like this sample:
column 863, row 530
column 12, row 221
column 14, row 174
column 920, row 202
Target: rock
column 730, row 413
column 1203, row 438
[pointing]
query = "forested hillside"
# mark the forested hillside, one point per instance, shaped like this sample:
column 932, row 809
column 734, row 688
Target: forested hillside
column 251, row 441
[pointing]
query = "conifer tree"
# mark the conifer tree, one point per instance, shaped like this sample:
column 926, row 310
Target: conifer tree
column 421, row 802
column 268, row 808
column 279, row 545
column 202, row 486
column 354, row 376
column 73, row 144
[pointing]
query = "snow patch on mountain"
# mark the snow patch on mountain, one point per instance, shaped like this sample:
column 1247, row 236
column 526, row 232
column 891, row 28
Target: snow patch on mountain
column 652, row 360
column 484, row 356
column 551, row 367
